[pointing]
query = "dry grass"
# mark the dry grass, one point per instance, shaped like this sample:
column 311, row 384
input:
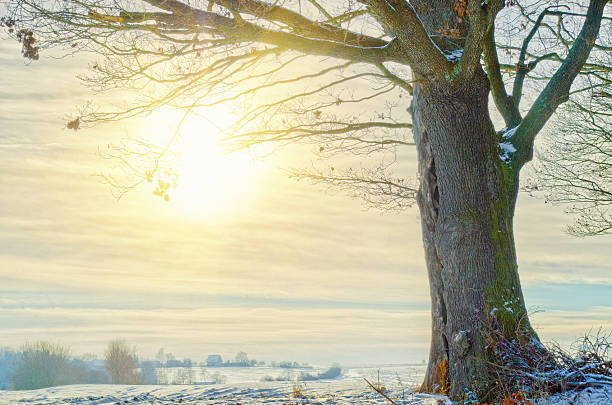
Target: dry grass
column 298, row 391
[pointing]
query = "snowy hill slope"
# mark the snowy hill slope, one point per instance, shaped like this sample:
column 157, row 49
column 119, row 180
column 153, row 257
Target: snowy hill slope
column 336, row 392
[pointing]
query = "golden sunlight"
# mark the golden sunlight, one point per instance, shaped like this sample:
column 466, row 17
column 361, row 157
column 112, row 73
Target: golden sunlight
column 211, row 183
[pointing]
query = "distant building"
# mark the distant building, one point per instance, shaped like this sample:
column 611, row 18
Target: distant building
column 214, row 360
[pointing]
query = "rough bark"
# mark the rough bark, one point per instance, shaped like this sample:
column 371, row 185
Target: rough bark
column 466, row 198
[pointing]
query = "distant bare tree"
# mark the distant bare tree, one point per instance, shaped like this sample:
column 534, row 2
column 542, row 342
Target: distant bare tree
column 161, row 356
column 242, row 358
column 121, row 363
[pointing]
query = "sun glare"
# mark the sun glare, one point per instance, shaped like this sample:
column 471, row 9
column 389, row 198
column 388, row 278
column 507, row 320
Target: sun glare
column 211, row 183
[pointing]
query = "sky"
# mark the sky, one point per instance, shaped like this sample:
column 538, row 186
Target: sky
column 259, row 262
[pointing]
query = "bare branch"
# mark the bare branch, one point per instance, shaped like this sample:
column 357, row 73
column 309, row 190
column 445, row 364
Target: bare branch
column 575, row 167
column 505, row 104
column 395, row 79
column 557, row 89
column 521, row 67
column 377, row 188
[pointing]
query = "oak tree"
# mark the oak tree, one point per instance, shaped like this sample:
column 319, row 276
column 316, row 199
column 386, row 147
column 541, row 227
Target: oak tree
column 342, row 75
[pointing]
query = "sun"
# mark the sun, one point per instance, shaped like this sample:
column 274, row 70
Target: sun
column 211, row 183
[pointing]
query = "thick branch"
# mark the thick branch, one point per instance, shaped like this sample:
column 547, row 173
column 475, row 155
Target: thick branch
column 302, row 25
column 481, row 16
column 423, row 56
column 309, row 37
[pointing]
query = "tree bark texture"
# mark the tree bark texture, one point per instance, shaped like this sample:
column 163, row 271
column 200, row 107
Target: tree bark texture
column 466, row 198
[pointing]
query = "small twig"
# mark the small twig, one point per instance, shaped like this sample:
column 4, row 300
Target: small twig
column 381, row 392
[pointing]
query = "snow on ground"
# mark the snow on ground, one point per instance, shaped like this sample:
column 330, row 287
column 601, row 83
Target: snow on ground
column 240, row 389
column 244, row 386
column 594, row 396
column 330, row 393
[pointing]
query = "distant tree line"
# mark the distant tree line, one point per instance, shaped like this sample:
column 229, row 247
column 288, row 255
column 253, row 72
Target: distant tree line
column 44, row 364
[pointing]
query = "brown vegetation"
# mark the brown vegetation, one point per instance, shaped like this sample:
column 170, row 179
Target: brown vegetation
column 121, row 363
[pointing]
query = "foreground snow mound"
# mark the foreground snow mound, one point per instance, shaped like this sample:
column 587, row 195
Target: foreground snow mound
column 588, row 396
column 324, row 393
column 329, row 393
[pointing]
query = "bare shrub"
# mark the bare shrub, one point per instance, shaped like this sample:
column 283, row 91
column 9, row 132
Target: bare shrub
column 540, row 371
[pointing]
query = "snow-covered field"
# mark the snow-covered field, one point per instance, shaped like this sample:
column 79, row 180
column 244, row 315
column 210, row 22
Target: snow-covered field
column 262, row 393
column 244, row 388
column 406, row 375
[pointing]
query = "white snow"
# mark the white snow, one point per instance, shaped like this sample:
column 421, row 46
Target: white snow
column 590, row 396
column 390, row 5
column 332, row 393
column 453, row 56
column 507, row 150
column 507, row 147
column 508, row 133
column 348, row 389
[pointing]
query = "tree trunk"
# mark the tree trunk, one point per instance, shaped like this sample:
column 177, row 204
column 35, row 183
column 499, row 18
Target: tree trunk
column 466, row 198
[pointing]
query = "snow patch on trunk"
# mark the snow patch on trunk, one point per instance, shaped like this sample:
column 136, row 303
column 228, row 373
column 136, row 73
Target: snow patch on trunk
column 453, row 56
column 507, row 150
column 509, row 133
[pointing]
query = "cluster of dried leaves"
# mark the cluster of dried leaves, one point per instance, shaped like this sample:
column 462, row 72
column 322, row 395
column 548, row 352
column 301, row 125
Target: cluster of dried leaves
column 28, row 50
column 25, row 37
